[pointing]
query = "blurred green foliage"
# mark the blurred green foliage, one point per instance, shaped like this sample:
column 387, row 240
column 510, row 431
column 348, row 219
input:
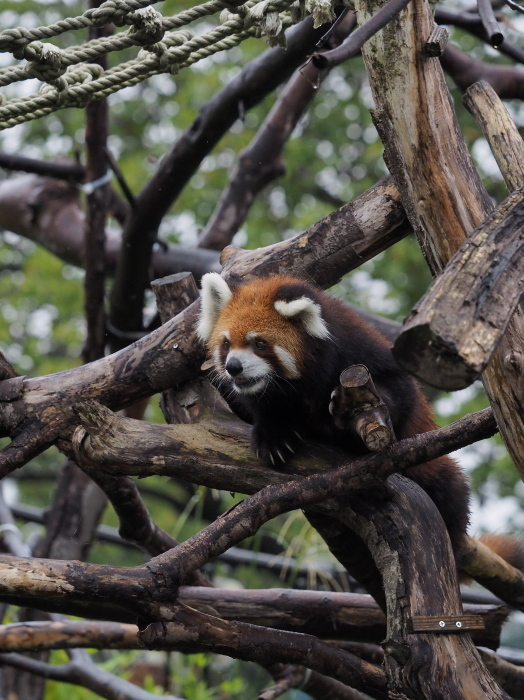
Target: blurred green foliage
column 333, row 156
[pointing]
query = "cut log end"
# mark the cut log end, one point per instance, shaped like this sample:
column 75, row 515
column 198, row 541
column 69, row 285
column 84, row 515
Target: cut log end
column 432, row 360
column 356, row 406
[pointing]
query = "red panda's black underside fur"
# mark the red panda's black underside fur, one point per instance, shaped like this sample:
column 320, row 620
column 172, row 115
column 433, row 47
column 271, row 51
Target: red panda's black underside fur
column 289, row 408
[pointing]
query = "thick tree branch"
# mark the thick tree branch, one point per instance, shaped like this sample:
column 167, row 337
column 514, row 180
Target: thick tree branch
column 172, row 354
column 451, row 334
column 432, row 167
column 49, row 213
column 260, row 162
column 248, row 516
column 254, row 82
column 67, row 634
column 192, row 630
column 507, row 82
column 500, row 131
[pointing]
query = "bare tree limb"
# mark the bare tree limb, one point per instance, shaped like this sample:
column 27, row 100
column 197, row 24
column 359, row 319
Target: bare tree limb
column 172, row 354
column 82, row 671
column 409, row 99
column 48, row 212
column 261, row 162
column 451, row 334
column 254, row 82
column 465, row 70
column 352, row 45
column 194, row 630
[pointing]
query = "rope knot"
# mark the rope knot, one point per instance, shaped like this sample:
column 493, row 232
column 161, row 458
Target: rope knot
column 109, row 11
column 148, row 26
column 321, row 11
column 267, row 19
column 47, row 61
column 15, row 41
column 68, row 89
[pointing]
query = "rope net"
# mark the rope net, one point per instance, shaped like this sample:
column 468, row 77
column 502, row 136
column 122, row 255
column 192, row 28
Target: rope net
column 72, row 78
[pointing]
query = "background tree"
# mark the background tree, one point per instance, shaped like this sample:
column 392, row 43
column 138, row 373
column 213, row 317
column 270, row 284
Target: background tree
column 298, row 138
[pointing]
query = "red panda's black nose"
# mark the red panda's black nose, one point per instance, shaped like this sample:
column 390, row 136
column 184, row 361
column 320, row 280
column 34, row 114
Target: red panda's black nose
column 234, row 366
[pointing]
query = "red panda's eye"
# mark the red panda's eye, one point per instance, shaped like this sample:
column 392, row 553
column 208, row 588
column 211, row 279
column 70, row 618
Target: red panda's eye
column 225, row 344
column 260, row 344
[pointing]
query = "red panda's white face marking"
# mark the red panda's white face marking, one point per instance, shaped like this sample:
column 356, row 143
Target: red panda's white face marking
column 253, row 338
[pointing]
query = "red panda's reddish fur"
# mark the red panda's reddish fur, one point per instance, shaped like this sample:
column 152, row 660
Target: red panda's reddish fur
column 298, row 406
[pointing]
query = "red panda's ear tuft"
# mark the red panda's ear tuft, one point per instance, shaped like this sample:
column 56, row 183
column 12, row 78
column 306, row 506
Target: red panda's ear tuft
column 214, row 295
column 308, row 312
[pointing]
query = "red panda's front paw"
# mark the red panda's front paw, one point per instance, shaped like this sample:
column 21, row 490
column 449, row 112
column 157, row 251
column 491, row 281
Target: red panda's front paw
column 274, row 448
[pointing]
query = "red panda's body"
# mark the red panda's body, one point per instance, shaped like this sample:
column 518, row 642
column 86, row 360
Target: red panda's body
column 279, row 345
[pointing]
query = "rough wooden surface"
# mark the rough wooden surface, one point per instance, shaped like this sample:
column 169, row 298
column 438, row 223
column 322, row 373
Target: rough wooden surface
column 329, row 249
column 426, row 154
column 500, row 131
column 451, row 334
column 506, row 368
column 357, row 406
column 418, row 585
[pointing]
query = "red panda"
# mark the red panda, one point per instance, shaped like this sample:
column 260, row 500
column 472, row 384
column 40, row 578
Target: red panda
column 279, row 344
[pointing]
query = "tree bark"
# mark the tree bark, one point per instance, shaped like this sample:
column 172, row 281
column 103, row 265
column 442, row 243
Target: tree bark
column 427, row 156
column 451, row 334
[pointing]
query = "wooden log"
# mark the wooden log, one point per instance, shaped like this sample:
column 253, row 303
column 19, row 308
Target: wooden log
column 440, row 188
column 329, row 615
column 357, row 406
column 437, row 41
column 38, row 411
column 500, row 131
column 451, row 334
column 416, row 564
column 192, row 399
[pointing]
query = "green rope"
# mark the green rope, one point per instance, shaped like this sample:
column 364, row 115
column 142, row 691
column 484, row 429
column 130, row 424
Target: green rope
column 163, row 51
column 92, row 50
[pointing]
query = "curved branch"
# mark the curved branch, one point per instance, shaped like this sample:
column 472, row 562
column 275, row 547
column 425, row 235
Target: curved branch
column 507, row 82
column 247, row 89
column 172, row 354
column 260, row 163
column 352, row 45
column 83, row 672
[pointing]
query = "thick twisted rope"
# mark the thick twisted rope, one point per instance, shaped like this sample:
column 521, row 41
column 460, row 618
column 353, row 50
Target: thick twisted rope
column 91, row 51
column 163, row 51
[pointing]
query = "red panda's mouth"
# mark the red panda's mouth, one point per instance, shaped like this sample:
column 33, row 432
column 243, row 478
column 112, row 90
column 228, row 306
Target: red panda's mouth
column 250, row 385
column 247, row 381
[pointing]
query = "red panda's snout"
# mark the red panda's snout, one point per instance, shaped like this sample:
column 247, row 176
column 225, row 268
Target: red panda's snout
column 259, row 332
column 248, row 373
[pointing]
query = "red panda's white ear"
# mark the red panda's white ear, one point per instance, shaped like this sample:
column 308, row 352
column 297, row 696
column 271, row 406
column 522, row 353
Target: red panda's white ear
column 306, row 311
column 214, row 295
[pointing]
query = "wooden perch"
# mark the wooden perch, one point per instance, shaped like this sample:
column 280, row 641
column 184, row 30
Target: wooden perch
column 451, row 334
column 441, row 191
column 500, row 131
column 325, row 614
column 171, row 354
column 357, row 406
column 437, row 41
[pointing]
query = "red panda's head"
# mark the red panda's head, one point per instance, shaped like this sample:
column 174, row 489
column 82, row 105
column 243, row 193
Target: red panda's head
column 259, row 330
